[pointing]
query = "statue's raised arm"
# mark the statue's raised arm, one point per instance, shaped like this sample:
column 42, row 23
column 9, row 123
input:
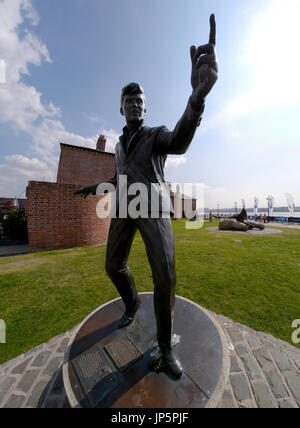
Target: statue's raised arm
column 204, row 66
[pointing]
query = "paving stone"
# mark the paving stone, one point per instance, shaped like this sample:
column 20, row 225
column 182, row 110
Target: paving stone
column 241, row 350
column 251, row 367
column 222, row 319
column 281, row 360
column 248, row 404
column 276, row 383
column 36, row 394
column 5, row 369
column 294, row 385
column 263, row 396
column 234, row 365
column 268, row 344
column 56, row 339
column 53, row 365
column 28, row 380
column 227, row 401
column 14, row 402
column 287, row 404
column 244, row 328
column 63, row 346
column 5, row 387
column 235, row 335
column 253, row 341
column 263, row 357
column 20, row 369
column 41, row 359
column 293, row 355
column 37, row 367
column 34, row 350
column 240, row 387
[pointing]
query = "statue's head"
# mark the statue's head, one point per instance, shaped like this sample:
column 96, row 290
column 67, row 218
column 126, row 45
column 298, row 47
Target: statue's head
column 133, row 102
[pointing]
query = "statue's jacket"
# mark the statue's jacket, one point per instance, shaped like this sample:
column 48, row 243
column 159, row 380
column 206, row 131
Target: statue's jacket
column 140, row 161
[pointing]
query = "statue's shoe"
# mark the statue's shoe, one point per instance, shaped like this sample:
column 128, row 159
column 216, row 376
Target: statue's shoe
column 128, row 316
column 173, row 364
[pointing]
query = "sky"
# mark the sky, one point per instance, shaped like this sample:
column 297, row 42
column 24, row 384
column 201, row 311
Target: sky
column 63, row 64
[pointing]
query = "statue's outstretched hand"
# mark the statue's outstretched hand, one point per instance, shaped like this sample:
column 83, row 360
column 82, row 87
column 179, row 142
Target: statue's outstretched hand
column 86, row 191
column 204, row 65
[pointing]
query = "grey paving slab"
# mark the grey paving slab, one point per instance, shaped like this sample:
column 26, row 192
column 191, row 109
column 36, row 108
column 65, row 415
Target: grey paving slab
column 13, row 250
column 265, row 372
column 254, row 341
column 27, row 380
column 252, row 368
column 14, row 402
column 281, row 360
column 264, row 358
column 263, row 396
column 228, row 401
column 34, row 397
column 248, row 404
column 52, row 366
column 242, row 349
column 41, row 359
column 293, row 382
column 6, row 387
column 287, row 404
column 20, row 368
column 235, row 335
column 277, row 386
column 234, row 364
column 240, row 387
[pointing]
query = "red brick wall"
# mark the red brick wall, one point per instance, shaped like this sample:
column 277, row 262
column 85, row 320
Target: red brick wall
column 78, row 165
column 59, row 219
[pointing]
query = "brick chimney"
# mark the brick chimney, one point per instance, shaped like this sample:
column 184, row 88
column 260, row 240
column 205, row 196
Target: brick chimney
column 101, row 143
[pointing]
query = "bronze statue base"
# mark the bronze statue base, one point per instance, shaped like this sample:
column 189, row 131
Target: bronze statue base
column 108, row 367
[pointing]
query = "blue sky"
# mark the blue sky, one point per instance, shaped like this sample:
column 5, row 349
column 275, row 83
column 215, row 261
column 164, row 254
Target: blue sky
column 66, row 62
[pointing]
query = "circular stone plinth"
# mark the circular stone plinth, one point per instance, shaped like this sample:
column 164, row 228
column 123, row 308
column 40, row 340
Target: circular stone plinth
column 108, row 367
column 266, row 231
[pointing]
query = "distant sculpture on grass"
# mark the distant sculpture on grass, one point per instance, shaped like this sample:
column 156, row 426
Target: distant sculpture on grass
column 240, row 222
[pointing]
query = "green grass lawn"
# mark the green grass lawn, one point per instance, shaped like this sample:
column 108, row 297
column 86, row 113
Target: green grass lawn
column 254, row 280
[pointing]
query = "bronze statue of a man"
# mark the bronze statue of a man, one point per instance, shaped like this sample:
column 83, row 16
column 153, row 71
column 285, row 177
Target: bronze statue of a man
column 140, row 155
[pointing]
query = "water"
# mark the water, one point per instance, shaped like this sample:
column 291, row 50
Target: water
column 284, row 214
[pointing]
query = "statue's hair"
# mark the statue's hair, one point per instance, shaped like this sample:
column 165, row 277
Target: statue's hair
column 131, row 89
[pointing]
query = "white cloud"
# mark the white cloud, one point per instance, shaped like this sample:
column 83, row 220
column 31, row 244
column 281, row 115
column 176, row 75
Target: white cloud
column 174, row 162
column 21, row 105
column 2, row 72
column 273, row 40
column 18, row 170
column 24, row 163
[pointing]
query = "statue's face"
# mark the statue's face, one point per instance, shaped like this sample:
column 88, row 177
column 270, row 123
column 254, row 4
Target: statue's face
column 134, row 107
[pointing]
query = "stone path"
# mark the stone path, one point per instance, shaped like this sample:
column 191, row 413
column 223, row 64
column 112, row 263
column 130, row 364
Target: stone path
column 14, row 250
column 265, row 372
column 266, row 231
column 284, row 225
